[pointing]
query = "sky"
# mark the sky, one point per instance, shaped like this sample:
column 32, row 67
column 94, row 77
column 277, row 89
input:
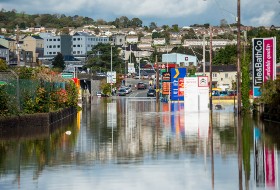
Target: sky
column 162, row 12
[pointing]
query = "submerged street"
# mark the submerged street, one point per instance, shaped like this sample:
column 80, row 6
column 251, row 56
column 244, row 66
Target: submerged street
column 134, row 143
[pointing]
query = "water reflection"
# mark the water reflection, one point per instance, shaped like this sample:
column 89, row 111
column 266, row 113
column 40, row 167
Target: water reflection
column 129, row 143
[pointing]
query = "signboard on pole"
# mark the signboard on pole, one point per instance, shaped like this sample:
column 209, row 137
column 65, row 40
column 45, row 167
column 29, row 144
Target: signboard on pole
column 196, row 95
column 111, row 77
column 176, row 74
column 264, row 62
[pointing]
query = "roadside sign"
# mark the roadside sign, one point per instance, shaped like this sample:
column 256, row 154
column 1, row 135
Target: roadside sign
column 176, row 86
column 111, row 77
column 67, row 75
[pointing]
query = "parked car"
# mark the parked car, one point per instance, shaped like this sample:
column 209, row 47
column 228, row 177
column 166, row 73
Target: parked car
column 98, row 94
column 215, row 93
column 128, row 90
column 232, row 93
column 151, row 93
column 141, row 85
column 122, row 92
column 223, row 93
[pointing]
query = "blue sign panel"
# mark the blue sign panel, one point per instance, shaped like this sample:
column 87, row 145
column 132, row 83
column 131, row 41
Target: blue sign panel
column 176, row 74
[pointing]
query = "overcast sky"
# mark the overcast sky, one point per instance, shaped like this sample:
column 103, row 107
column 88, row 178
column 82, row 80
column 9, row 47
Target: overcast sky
column 181, row 12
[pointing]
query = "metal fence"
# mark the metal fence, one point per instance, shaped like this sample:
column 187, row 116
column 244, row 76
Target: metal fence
column 19, row 90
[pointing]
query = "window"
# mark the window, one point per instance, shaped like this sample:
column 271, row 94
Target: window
column 78, row 46
column 54, row 39
column 74, row 45
column 58, row 39
column 54, row 53
column 58, row 46
column 74, row 39
column 78, row 52
column 50, row 53
column 74, row 52
column 54, row 46
column 214, row 75
column 50, row 46
column 226, row 75
column 50, row 40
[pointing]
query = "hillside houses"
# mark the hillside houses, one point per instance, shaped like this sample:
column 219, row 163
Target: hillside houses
column 44, row 43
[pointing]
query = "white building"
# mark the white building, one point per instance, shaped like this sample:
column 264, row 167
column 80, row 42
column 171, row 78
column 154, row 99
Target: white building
column 216, row 43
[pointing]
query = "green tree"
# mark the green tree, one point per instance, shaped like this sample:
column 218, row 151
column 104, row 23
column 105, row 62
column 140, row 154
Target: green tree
column 226, row 56
column 58, row 62
column 153, row 26
column 100, row 57
column 245, row 85
column 136, row 22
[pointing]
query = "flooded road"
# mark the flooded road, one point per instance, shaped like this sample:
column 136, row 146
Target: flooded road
column 133, row 143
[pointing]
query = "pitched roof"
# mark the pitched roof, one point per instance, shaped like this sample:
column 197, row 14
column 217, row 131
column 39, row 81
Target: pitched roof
column 37, row 37
column 3, row 47
column 219, row 68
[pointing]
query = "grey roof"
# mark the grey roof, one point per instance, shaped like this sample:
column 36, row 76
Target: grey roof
column 9, row 39
column 3, row 47
column 219, row 68
column 37, row 37
column 81, row 34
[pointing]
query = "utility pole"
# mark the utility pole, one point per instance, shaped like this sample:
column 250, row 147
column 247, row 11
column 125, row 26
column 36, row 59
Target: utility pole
column 238, row 61
column 18, row 53
column 111, row 77
column 203, row 55
column 157, row 85
column 210, row 69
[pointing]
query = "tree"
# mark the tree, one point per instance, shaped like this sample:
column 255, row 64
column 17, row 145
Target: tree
column 136, row 22
column 100, row 57
column 153, row 26
column 223, row 23
column 175, row 28
column 58, row 62
column 226, row 56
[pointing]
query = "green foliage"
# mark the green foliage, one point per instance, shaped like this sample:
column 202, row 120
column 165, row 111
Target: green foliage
column 9, row 20
column 72, row 94
column 3, row 65
column 7, row 103
column 4, row 99
column 261, row 32
column 226, row 56
column 245, row 85
column 270, row 92
column 58, row 62
column 26, row 72
column 100, row 57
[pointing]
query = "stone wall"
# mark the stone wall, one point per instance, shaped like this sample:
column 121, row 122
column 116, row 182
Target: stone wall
column 30, row 125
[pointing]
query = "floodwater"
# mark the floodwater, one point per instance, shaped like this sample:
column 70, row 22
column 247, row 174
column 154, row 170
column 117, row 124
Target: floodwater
column 134, row 143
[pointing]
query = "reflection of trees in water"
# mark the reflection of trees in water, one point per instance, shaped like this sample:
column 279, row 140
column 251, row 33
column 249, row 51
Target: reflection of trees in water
column 15, row 155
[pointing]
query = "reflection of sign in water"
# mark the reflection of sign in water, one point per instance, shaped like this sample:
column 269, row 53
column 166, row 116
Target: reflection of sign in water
column 111, row 115
column 266, row 170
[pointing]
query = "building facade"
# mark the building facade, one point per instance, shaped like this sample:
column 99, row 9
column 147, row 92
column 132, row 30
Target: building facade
column 179, row 59
column 34, row 44
column 4, row 53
